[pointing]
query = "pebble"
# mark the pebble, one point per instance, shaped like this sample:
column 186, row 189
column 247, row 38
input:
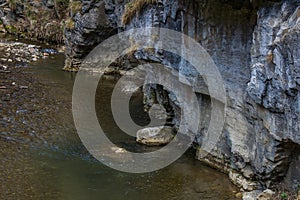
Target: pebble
column 4, row 71
column 31, row 50
column 266, row 195
column 3, row 87
column 9, row 60
column 13, row 83
column 23, row 87
column 34, row 59
column 239, row 195
column 118, row 150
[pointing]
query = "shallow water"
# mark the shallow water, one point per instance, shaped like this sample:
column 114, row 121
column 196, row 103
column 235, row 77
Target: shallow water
column 53, row 164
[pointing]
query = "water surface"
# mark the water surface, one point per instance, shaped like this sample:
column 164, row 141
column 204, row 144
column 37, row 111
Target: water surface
column 48, row 161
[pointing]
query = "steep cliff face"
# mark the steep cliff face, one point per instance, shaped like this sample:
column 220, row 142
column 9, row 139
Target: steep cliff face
column 95, row 22
column 274, row 83
column 255, row 45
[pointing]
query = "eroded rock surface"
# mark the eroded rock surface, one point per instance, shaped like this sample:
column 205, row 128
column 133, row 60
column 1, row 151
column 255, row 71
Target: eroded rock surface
column 95, row 23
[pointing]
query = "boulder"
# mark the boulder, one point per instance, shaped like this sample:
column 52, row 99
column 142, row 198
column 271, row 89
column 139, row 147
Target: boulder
column 155, row 136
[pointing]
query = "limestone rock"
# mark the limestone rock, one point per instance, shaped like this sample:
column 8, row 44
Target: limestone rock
column 241, row 181
column 154, row 136
column 251, row 195
column 92, row 26
column 266, row 195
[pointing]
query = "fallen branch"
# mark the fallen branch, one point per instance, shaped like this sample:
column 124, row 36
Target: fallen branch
column 4, row 4
column 3, row 71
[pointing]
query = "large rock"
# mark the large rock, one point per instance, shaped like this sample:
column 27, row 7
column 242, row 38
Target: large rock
column 155, row 136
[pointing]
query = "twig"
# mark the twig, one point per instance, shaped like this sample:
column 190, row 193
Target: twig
column 4, row 4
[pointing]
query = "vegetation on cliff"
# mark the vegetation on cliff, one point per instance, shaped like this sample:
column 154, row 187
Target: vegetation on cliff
column 134, row 7
column 44, row 21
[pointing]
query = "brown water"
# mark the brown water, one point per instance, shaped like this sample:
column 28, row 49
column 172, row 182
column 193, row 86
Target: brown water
column 46, row 160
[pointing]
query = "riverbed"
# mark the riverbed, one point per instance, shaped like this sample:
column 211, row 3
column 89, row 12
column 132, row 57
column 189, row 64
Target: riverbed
column 42, row 156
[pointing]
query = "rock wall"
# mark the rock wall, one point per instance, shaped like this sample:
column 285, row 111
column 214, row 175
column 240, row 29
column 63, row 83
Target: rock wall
column 96, row 22
column 255, row 45
column 274, row 86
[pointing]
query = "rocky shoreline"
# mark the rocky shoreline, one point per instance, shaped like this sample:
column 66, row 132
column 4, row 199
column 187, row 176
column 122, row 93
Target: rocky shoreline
column 28, row 119
column 18, row 86
column 18, row 52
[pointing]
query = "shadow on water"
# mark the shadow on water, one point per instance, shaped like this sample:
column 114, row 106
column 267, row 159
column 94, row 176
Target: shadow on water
column 61, row 168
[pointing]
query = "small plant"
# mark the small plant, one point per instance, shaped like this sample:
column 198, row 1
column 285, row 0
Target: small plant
column 74, row 7
column 29, row 12
column 284, row 195
column 12, row 4
column 11, row 29
column 62, row 1
column 70, row 24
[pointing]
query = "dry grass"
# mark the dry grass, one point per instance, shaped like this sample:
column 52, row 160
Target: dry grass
column 134, row 7
column 69, row 24
column 74, row 7
column 13, row 4
column 282, row 193
column 285, row 196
